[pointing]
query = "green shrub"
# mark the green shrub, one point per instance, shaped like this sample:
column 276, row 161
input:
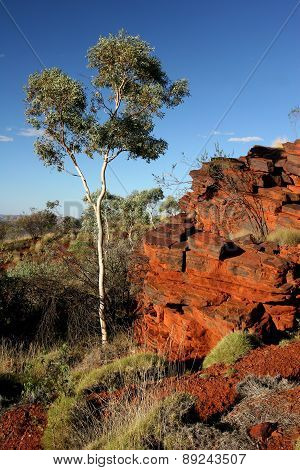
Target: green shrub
column 151, row 429
column 231, row 348
column 285, row 236
column 47, row 375
column 58, row 433
column 33, row 269
column 125, row 371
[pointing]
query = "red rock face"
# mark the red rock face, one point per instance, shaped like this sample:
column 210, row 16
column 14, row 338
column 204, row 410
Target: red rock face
column 209, row 274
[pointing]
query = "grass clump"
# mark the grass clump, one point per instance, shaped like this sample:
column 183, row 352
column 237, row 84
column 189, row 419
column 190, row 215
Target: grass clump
column 151, row 429
column 137, row 368
column 285, row 236
column 231, row 348
column 58, row 433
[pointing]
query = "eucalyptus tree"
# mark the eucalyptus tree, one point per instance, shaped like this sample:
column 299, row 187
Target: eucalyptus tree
column 129, row 90
column 169, row 206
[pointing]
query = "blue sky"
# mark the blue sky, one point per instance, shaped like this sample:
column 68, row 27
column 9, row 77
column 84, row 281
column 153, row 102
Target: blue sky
column 215, row 44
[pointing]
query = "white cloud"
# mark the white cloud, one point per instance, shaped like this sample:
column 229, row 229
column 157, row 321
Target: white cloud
column 30, row 132
column 245, row 139
column 8, row 129
column 5, row 138
column 222, row 133
column 215, row 133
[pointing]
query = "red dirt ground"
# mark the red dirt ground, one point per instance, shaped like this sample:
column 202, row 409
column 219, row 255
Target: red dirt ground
column 22, row 427
column 215, row 389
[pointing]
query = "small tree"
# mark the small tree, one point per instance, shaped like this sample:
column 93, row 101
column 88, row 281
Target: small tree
column 38, row 223
column 130, row 89
column 169, row 206
column 132, row 214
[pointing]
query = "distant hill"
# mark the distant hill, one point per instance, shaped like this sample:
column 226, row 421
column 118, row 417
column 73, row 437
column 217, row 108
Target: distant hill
column 8, row 217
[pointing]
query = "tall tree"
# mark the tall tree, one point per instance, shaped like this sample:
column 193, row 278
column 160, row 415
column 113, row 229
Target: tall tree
column 129, row 90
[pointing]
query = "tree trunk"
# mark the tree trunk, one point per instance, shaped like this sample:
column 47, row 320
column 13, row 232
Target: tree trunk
column 101, row 253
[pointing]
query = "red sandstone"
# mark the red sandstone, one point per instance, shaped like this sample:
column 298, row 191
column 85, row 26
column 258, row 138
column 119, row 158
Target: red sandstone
column 208, row 275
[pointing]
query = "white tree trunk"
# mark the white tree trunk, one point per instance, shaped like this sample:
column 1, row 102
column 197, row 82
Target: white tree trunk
column 100, row 241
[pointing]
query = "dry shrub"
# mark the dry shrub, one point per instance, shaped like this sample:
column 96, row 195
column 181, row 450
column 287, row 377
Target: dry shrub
column 285, row 236
column 96, row 355
column 262, row 400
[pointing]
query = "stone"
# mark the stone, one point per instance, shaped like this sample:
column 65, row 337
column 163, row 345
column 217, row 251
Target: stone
column 262, row 431
column 209, row 273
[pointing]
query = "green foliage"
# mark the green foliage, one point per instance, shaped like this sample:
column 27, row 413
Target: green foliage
column 47, row 375
column 136, row 85
column 58, row 433
column 130, row 215
column 231, row 348
column 285, row 236
column 169, row 206
column 136, row 368
column 154, row 429
column 54, row 100
column 70, row 224
column 38, row 222
column 35, row 269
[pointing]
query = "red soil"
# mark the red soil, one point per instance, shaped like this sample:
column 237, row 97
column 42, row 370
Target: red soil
column 272, row 360
column 22, row 427
column 215, row 388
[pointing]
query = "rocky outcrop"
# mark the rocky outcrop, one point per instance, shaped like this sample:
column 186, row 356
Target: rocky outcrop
column 211, row 272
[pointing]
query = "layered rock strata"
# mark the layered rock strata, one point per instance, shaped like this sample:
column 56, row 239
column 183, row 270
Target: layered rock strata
column 211, row 270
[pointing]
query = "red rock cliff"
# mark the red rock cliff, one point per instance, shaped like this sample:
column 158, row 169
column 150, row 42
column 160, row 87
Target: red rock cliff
column 210, row 273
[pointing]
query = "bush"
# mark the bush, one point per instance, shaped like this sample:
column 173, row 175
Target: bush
column 37, row 223
column 262, row 400
column 33, row 269
column 45, row 310
column 253, row 386
column 139, row 367
column 47, row 375
column 285, row 236
column 231, row 348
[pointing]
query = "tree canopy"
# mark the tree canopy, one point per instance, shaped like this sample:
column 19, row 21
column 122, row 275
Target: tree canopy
column 129, row 90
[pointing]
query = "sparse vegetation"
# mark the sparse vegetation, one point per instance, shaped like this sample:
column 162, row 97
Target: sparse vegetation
column 231, row 348
column 263, row 400
column 133, row 369
column 58, row 433
column 152, row 428
column 285, row 236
